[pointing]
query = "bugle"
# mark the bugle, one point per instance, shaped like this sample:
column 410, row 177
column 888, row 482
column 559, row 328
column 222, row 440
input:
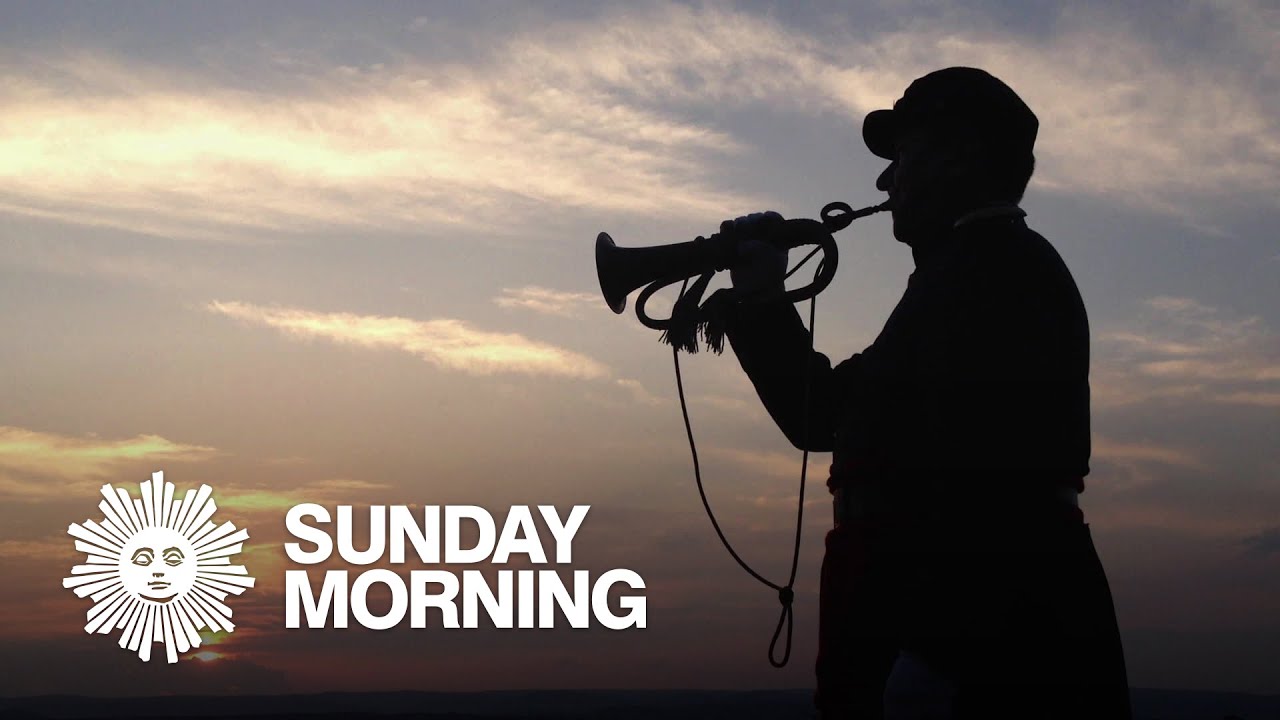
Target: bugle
column 622, row 270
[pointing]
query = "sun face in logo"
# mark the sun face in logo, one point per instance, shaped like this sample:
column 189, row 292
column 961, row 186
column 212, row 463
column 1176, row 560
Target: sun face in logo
column 158, row 564
column 157, row 568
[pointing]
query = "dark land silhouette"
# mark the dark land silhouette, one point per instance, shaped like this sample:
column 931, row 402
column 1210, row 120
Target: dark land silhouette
column 569, row 704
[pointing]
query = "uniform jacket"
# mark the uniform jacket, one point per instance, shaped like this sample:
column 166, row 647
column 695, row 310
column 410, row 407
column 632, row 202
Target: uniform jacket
column 979, row 379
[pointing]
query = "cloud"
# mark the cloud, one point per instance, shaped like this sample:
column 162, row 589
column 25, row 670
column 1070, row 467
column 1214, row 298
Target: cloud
column 772, row 464
column 331, row 490
column 1263, row 544
column 51, row 549
column 46, row 664
column 446, row 343
column 1261, row 399
column 1121, row 117
column 102, row 141
column 613, row 114
column 547, row 301
column 781, row 501
column 734, row 405
column 639, row 393
column 1133, row 465
column 1112, row 451
column 1186, row 350
column 39, row 466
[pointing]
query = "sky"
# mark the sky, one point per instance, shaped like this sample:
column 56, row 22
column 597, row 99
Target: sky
column 342, row 253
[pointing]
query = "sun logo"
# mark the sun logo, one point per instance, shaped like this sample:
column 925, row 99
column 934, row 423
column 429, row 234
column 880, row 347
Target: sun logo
column 158, row 568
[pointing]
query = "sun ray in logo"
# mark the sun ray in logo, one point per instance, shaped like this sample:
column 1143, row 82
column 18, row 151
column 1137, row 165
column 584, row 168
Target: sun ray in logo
column 158, row 568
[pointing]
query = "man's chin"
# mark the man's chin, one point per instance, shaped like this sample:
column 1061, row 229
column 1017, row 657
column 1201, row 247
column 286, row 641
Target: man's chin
column 902, row 230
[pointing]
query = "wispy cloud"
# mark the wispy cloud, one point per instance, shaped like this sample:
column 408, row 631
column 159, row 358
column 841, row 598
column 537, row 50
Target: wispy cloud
column 389, row 147
column 274, row 498
column 50, row 549
column 1112, row 451
column 1121, row 117
column 446, row 343
column 606, row 114
column 771, row 464
column 1261, row 399
column 1263, row 544
column 639, row 393
column 547, row 301
column 735, row 405
column 1125, row 466
column 38, row 466
column 1186, row 349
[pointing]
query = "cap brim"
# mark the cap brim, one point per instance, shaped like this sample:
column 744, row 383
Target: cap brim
column 877, row 132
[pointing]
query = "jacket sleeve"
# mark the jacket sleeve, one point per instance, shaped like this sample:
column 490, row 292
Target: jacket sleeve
column 773, row 347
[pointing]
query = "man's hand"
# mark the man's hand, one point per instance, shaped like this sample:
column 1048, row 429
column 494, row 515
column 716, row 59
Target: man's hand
column 760, row 265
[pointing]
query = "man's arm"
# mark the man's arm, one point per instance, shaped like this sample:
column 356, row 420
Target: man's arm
column 773, row 348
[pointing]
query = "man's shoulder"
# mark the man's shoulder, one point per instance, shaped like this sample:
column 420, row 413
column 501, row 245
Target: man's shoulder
column 1045, row 255
column 1010, row 260
column 1014, row 246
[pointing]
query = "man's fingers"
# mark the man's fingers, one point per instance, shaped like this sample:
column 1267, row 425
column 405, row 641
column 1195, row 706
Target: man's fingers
column 751, row 222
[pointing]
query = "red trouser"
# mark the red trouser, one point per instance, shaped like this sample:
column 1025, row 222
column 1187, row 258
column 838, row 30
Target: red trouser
column 857, row 643
column 1018, row 615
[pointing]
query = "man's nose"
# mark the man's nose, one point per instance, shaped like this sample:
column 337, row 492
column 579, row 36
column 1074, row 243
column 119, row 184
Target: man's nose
column 884, row 183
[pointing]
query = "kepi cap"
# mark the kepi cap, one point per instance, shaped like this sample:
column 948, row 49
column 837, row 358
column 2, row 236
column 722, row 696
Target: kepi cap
column 956, row 99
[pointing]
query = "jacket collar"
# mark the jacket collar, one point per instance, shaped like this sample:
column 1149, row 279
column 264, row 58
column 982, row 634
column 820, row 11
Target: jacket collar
column 950, row 242
column 989, row 212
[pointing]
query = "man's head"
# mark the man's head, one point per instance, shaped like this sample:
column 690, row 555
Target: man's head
column 958, row 138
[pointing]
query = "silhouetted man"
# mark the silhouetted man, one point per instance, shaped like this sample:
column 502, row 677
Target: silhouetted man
column 960, row 579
